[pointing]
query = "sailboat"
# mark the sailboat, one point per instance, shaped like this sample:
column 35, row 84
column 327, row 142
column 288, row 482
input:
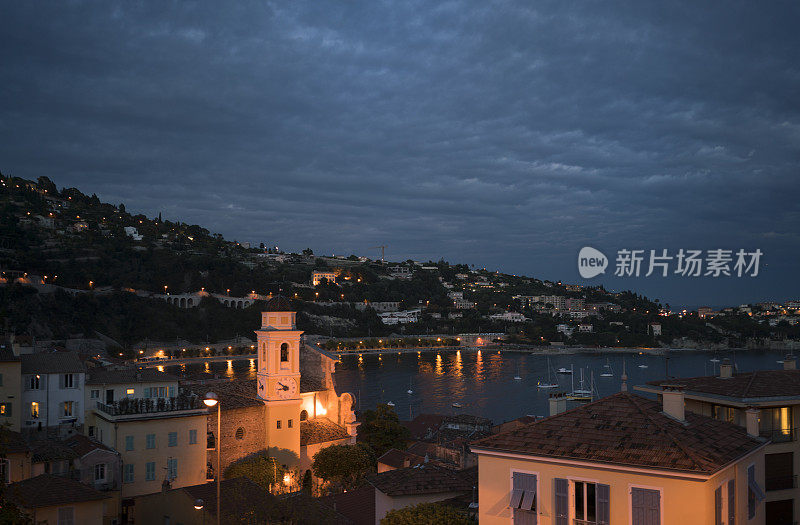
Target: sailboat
column 409, row 391
column 607, row 372
column 580, row 394
column 517, row 377
column 563, row 370
column 549, row 383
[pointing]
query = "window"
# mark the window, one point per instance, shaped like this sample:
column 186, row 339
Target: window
column 94, row 394
column 172, row 391
column 5, row 409
column 284, row 353
column 172, row 439
column 128, row 443
column 523, row 498
column 776, row 424
column 279, row 424
column 150, row 471
column 5, row 471
column 100, row 472
column 91, row 430
column 129, row 391
column 754, row 492
column 68, row 381
column 146, row 393
column 645, row 506
column 35, row 382
column 128, row 473
column 240, row 433
column 210, row 441
column 724, row 413
column 193, row 437
column 68, row 407
column 303, row 415
column 34, row 410
column 66, row 516
column 172, row 468
column 150, row 441
column 162, row 391
column 288, row 423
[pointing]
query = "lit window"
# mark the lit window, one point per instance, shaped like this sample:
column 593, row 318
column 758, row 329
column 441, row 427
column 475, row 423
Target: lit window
column 5, row 409
column 34, row 410
column 129, row 391
column 68, row 407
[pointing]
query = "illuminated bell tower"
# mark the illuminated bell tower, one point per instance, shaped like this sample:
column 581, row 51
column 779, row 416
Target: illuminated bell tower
column 279, row 379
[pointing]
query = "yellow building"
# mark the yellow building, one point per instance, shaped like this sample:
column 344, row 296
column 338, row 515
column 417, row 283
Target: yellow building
column 55, row 500
column 775, row 395
column 10, row 389
column 317, row 277
column 626, row 460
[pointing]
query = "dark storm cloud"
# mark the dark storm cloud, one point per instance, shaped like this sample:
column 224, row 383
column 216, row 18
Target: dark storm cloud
column 508, row 134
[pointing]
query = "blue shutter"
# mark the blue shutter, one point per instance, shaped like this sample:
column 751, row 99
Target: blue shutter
column 524, row 485
column 732, row 502
column 562, row 501
column 147, row 392
column 603, row 504
column 172, row 391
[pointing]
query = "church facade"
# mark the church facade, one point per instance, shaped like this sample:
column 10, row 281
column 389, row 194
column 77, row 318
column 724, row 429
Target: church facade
column 291, row 409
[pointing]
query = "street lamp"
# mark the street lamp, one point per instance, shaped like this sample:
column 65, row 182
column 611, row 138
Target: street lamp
column 211, row 400
column 198, row 505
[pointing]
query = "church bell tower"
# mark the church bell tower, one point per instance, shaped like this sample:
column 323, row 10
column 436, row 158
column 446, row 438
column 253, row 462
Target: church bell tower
column 278, row 381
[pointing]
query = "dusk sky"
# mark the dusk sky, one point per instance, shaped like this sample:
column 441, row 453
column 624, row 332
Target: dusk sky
column 501, row 134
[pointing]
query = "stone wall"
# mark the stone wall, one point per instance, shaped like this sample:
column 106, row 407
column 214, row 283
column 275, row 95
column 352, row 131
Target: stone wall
column 253, row 435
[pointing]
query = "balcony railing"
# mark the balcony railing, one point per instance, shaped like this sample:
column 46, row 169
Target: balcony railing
column 780, row 482
column 781, row 435
column 131, row 407
column 583, row 522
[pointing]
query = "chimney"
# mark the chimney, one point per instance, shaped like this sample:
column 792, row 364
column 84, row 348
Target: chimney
column 789, row 362
column 674, row 401
column 751, row 419
column 558, row 403
column 725, row 369
column 406, row 462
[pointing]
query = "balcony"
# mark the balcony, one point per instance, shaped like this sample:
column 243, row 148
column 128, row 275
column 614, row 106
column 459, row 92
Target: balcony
column 780, row 436
column 127, row 408
column 780, row 483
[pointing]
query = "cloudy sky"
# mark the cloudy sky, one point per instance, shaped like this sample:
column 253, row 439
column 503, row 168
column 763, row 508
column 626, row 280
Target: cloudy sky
column 501, row 134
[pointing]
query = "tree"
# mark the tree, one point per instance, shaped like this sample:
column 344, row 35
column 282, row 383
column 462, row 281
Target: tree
column 427, row 514
column 382, row 430
column 260, row 468
column 308, row 252
column 345, row 465
column 308, row 483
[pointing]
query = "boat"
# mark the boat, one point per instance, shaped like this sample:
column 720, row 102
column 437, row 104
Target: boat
column 607, row 372
column 517, row 377
column 390, row 404
column 563, row 370
column 580, row 394
column 714, row 360
column 409, row 391
column 456, row 405
column 642, row 366
column 549, row 383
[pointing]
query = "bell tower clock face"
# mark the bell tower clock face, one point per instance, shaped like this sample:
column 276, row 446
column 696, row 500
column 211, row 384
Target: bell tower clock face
column 285, row 388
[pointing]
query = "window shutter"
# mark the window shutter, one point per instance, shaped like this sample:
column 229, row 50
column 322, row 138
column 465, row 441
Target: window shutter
column 645, row 507
column 172, row 391
column 147, row 392
column 562, row 501
column 718, row 506
column 603, row 504
column 732, row 502
column 61, row 380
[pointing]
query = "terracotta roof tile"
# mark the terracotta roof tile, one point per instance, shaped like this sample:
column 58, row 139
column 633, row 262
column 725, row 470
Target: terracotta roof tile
column 232, row 394
column 320, row 430
column 627, row 429
column 397, row 458
column 47, row 490
column 82, row 445
column 748, row 385
column 358, row 505
column 420, row 479
column 52, row 363
column 99, row 376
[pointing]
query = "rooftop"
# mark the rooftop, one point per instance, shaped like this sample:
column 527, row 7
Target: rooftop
column 320, row 430
column 100, row 376
column 82, row 445
column 760, row 384
column 628, row 429
column 420, row 479
column 279, row 303
column 47, row 490
column 357, row 504
column 52, row 363
column 396, row 458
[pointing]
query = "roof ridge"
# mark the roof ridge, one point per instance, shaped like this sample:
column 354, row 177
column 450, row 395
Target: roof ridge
column 749, row 383
column 698, row 459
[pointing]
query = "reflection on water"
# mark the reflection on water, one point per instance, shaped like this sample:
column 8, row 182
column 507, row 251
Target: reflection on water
column 483, row 381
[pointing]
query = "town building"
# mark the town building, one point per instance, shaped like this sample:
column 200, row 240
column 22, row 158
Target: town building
column 773, row 398
column 58, row 500
column 655, row 328
column 623, row 459
column 318, row 276
column 10, row 389
column 52, row 390
column 513, row 317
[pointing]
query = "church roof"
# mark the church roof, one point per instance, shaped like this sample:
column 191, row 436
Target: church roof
column 320, row 430
column 279, row 303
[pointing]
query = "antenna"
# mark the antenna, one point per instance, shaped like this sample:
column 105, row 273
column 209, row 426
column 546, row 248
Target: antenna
column 383, row 251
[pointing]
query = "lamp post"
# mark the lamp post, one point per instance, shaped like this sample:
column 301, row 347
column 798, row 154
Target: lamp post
column 211, row 400
column 198, row 505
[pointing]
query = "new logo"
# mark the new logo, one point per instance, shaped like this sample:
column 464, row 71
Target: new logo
column 591, row 262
